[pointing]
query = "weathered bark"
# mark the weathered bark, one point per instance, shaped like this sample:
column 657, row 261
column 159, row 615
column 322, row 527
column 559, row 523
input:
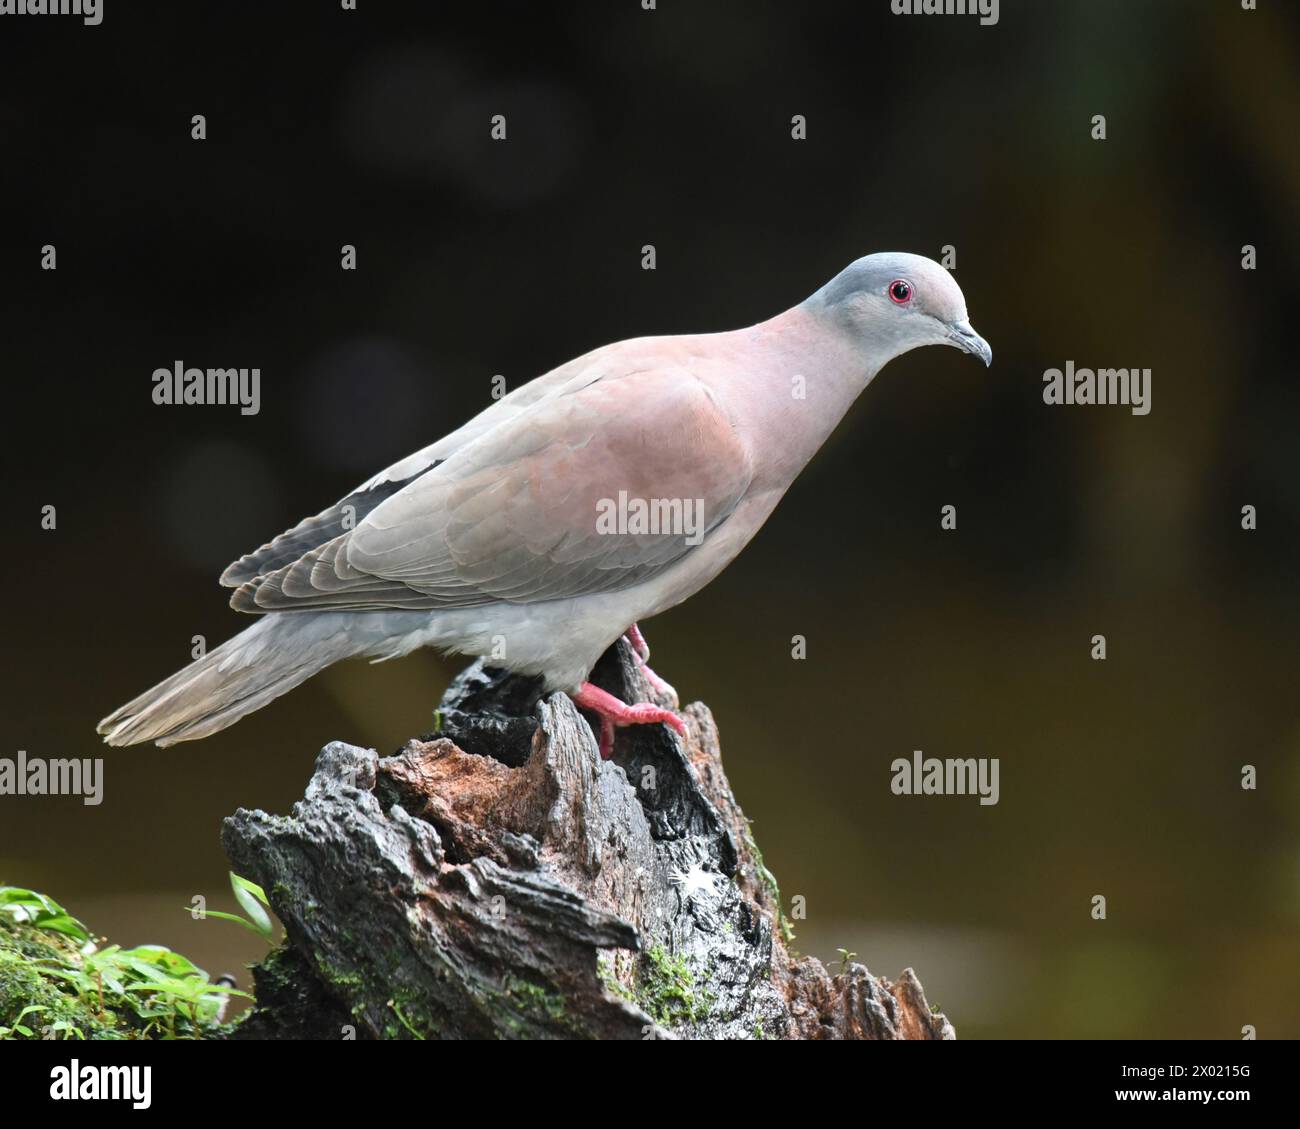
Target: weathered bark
column 498, row 879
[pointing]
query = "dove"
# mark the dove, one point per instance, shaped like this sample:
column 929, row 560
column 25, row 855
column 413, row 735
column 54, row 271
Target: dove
column 495, row 541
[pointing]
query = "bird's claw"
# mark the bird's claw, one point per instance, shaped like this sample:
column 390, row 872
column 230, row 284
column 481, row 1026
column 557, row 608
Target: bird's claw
column 641, row 649
column 616, row 714
column 660, row 686
column 647, row 713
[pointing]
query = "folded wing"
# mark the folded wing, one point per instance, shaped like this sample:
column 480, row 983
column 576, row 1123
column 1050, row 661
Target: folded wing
column 347, row 512
column 532, row 508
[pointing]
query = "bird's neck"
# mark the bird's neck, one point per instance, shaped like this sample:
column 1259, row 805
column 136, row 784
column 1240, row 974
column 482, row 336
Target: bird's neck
column 806, row 377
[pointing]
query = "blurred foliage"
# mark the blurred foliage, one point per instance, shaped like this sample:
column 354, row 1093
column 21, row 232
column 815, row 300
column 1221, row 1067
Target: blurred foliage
column 57, row 982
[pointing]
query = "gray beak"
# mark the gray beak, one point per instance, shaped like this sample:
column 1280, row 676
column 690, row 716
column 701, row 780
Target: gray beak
column 963, row 335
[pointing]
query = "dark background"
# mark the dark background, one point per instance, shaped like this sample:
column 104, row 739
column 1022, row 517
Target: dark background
column 672, row 127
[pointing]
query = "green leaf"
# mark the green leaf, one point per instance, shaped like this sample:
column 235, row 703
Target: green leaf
column 46, row 969
column 232, row 917
column 144, row 970
column 42, row 911
column 251, row 899
column 62, row 923
column 237, row 883
column 162, row 956
column 17, row 896
column 113, row 984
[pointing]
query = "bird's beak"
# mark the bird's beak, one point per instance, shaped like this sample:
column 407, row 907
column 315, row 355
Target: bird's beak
column 963, row 335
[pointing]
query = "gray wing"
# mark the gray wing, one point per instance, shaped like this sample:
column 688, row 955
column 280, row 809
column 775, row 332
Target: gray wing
column 514, row 515
column 314, row 531
column 348, row 512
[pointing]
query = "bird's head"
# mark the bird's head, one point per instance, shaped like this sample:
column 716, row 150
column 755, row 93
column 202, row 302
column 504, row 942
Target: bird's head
column 892, row 302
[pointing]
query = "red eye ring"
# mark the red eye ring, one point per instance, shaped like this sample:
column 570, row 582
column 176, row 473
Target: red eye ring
column 899, row 291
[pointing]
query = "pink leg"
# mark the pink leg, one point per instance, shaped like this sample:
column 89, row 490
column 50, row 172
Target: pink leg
column 614, row 713
column 639, row 645
column 606, row 738
column 642, row 649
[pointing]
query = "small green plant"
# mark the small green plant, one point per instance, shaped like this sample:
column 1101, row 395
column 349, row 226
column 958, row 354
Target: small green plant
column 252, row 900
column 846, row 959
column 397, row 1011
column 53, row 969
column 19, row 1028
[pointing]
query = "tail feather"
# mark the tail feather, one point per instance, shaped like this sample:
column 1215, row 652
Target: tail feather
column 277, row 653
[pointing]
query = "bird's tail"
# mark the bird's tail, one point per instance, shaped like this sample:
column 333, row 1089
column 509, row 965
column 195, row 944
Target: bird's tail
column 242, row 675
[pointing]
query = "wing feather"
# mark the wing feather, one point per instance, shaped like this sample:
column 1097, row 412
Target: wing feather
column 513, row 515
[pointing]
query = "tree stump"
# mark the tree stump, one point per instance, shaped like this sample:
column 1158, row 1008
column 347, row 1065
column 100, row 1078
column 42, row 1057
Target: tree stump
column 497, row 879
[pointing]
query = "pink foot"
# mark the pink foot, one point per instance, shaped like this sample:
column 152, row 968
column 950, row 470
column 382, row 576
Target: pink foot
column 642, row 649
column 639, row 645
column 613, row 713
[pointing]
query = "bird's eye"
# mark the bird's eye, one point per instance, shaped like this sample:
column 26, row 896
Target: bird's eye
column 900, row 291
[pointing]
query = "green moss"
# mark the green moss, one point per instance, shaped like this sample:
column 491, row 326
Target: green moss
column 768, row 881
column 410, row 1018
column 57, row 982
column 666, row 989
column 348, row 983
column 34, row 1006
column 526, row 1006
column 605, row 970
column 535, row 1000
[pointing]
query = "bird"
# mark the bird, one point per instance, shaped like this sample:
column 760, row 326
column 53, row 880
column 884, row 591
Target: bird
column 503, row 539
